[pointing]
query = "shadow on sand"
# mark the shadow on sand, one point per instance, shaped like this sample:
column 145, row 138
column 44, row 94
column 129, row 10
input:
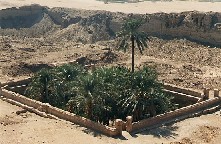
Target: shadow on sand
column 165, row 131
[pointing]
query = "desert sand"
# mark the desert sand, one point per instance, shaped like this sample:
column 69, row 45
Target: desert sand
column 28, row 128
column 141, row 7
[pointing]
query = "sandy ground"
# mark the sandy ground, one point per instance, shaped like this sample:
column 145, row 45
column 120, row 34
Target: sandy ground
column 28, row 128
column 196, row 66
column 141, row 7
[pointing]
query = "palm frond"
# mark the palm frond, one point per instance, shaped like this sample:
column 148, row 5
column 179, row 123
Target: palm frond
column 131, row 28
column 123, row 44
column 140, row 45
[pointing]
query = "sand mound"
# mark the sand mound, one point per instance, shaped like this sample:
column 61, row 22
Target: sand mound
column 23, row 69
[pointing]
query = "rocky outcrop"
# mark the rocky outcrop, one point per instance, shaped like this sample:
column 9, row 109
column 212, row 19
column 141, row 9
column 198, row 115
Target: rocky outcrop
column 192, row 25
column 22, row 17
column 102, row 25
column 91, row 26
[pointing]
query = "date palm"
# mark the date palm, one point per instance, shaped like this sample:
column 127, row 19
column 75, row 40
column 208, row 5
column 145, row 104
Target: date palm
column 41, row 86
column 87, row 101
column 54, row 85
column 130, row 32
column 146, row 98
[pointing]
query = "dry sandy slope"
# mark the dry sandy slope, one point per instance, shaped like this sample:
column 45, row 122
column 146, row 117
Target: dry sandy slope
column 142, row 7
column 204, row 129
column 14, row 52
column 193, row 66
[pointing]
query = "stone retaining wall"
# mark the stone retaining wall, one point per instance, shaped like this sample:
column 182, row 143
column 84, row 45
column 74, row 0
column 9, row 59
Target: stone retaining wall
column 17, row 82
column 18, row 86
column 183, row 99
column 163, row 118
column 186, row 91
column 48, row 109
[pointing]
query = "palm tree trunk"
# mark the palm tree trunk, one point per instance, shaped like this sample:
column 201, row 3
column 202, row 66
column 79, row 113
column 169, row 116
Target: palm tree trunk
column 132, row 40
column 46, row 92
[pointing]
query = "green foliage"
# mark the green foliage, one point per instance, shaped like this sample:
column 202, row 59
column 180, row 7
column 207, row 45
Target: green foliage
column 70, row 72
column 110, row 93
column 52, row 86
column 146, row 97
column 103, row 94
column 85, row 102
column 130, row 32
column 97, row 94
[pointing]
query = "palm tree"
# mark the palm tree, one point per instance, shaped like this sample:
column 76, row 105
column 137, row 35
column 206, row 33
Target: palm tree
column 130, row 32
column 70, row 72
column 54, row 86
column 39, row 87
column 146, row 98
column 87, row 101
column 97, row 94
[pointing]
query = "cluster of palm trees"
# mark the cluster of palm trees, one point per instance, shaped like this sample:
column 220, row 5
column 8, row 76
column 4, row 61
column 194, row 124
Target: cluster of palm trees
column 104, row 94
column 53, row 85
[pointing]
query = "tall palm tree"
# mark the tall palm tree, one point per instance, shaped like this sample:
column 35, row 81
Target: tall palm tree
column 130, row 32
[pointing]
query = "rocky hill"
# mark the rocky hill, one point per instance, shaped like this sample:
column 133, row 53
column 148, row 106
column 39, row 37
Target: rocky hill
column 87, row 26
